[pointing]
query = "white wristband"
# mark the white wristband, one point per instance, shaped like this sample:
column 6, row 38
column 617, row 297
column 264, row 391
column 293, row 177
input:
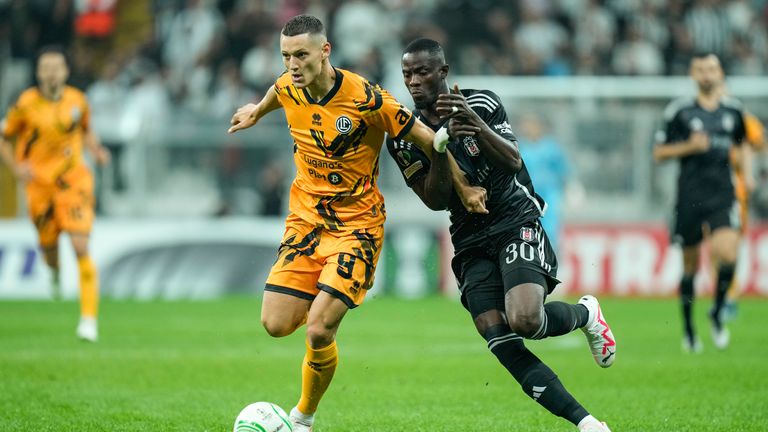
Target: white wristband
column 441, row 140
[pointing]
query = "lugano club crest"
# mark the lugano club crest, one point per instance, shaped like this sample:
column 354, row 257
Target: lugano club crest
column 343, row 125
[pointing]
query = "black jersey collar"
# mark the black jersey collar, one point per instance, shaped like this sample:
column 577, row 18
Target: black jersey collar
column 331, row 94
column 434, row 126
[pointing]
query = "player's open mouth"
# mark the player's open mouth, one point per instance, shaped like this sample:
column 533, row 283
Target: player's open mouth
column 296, row 77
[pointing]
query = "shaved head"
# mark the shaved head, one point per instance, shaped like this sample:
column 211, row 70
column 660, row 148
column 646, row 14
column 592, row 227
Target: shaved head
column 429, row 46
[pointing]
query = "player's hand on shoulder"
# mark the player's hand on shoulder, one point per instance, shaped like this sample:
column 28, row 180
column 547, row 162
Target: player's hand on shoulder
column 243, row 118
column 473, row 198
column 23, row 172
column 699, row 142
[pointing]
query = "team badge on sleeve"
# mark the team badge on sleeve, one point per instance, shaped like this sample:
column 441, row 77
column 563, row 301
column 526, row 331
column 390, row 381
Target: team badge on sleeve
column 404, row 158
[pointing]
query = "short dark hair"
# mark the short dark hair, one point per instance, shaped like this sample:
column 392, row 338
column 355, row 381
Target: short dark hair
column 430, row 46
column 51, row 49
column 698, row 55
column 301, row 24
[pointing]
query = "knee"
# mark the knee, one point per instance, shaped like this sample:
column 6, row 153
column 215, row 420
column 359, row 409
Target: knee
column 80, row 245
column 525, row 324
column 319, row 334
column 51, row 255
column 277, row 328
column 727, row 257
column 81, row 250
column 51, row 261
column 490, row 321
column 482, row 329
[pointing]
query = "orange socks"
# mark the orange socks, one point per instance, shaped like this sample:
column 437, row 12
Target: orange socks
column 316, row 374
column 89, row 287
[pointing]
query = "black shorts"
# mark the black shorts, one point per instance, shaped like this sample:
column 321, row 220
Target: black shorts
column 692, row 218
column 520, row 255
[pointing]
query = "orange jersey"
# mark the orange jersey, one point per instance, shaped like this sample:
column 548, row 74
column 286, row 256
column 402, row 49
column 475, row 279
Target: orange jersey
column 337, row 142
column 755, row 131
column 755, row 137
column 49, row 134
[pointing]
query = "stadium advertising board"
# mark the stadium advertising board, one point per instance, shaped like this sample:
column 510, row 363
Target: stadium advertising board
column 637, row 260
column 208, row 258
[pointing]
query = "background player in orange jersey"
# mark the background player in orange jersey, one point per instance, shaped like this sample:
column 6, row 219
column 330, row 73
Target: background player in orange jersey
column 744, row 185
column 49, row 124
column 334, row 231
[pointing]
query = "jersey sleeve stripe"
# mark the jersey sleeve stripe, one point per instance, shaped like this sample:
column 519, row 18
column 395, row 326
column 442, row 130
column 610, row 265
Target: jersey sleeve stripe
column 482, row 97
column 407, row 128
column 373, row 100
column 481, row 105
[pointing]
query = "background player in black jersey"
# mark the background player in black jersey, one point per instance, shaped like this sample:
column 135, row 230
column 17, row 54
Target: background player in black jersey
column 700, row 132
column 504, row 262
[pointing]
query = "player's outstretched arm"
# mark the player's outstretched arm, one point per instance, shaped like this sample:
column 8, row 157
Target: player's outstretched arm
column 436, row 190
column 698, row 142
column 247, row 115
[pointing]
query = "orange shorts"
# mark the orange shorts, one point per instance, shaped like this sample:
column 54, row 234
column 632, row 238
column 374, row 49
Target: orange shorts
column 313, row 259
column 66, row 206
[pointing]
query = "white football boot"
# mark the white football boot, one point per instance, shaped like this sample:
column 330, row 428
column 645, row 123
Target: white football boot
column 593, row 425
column 87, row 329
column 596, row 426
column 721, row 337
column 301, row 422
column 692, row 346
column 598, row 333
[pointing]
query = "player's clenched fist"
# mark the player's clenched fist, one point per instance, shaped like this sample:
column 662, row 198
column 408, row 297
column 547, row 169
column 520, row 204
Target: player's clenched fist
column 243, row 118
column 473, row 198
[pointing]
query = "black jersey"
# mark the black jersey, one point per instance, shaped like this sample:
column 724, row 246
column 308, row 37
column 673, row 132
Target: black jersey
column 705, row 178
column 511, row 198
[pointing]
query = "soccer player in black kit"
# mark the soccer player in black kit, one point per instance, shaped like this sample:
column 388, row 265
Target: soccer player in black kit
column 700, row 132
column 504, row 263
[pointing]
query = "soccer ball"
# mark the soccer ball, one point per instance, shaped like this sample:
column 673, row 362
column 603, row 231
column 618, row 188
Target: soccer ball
column 262, row 417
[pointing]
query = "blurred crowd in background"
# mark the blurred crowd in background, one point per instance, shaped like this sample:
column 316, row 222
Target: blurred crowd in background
column 210, row 56
column 170, row 73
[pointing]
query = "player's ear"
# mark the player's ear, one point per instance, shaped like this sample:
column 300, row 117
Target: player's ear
column 326, row 50
column 444, row 71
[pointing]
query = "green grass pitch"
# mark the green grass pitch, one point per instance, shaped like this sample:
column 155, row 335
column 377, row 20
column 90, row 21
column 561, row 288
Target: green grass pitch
column 404, row 366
